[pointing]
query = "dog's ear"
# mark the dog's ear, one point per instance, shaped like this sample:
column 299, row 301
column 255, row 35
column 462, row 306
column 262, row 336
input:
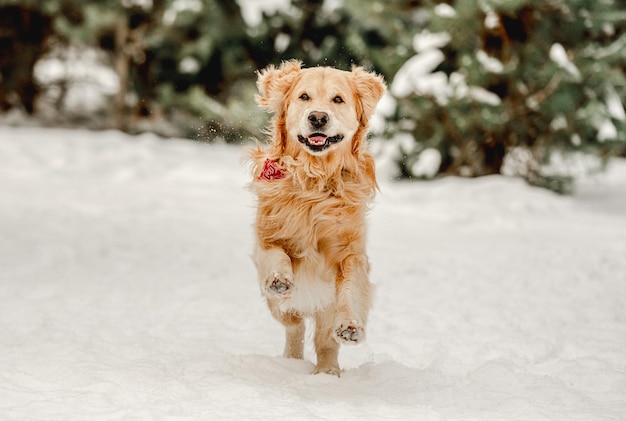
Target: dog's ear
column 370, row 87
column 274, row 83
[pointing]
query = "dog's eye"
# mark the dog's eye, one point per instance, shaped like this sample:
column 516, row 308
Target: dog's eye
column 338, row 99
column 304, row 97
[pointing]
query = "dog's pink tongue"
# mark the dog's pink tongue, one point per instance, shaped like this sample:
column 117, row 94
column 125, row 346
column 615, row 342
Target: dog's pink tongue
column 317, row 139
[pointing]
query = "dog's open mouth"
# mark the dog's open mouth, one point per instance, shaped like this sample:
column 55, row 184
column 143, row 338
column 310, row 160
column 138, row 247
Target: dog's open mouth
column 317, row 142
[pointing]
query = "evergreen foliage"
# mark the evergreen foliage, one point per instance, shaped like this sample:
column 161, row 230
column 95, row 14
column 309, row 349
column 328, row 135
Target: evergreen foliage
column 523, row 80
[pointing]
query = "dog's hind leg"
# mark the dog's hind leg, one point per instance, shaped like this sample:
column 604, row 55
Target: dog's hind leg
column 294, row 330
column 294, row 341
column 326, row 347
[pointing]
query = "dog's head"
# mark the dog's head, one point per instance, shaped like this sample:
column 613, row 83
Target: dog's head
column 318, row 109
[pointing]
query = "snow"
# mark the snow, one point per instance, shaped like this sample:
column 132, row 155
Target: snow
column 427, row 164
column 426, row 40
column 558, row 123
column 389, row 152
column 459, row 89
column 445, row 10
column 252, row 10
column 614, row 105
column 492, row 20
column 385, row 108
column 490, row 64
column 415, row 75
column 606, row 130
column 480, row 95
column 559, row 56
column 87, row 80
column 127, row 292
column 189, row 65
column 281, row 42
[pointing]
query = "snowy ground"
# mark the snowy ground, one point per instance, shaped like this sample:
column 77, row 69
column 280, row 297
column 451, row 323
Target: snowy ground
column 127, row 293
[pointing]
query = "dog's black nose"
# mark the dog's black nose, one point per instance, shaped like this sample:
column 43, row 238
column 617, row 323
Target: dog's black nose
column 318, row 119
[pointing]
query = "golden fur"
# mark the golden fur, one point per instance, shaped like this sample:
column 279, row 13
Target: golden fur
column 310, row 225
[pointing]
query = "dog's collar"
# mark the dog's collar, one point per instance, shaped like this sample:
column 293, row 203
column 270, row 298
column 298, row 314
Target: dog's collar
column 271, row 170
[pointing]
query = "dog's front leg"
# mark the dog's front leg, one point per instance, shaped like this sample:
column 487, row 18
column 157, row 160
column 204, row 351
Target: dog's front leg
column 275, row 271
column 276, row 278
column 354, row 298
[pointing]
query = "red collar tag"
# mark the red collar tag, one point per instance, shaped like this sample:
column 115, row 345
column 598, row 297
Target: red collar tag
column 271, row 170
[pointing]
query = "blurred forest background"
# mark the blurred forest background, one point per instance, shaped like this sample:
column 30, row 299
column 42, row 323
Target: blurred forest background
column 530, row 88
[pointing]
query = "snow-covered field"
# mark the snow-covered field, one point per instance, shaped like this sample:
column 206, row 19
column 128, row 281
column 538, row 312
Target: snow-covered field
column 127, row 293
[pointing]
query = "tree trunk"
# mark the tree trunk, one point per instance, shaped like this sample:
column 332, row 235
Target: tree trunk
column 122, row 69
column 493, row 156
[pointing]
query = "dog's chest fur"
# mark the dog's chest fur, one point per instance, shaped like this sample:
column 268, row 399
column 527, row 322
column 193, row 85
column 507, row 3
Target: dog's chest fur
column 302, row 222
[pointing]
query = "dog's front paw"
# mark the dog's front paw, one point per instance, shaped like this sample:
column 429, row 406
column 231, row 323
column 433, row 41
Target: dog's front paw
column 350, row 333
column 279, row 284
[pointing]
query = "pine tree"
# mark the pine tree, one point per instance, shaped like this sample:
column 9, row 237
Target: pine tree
column 520, row 78
column 25, row 32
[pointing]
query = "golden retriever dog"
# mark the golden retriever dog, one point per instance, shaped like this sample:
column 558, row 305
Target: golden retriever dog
column 314, row 183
